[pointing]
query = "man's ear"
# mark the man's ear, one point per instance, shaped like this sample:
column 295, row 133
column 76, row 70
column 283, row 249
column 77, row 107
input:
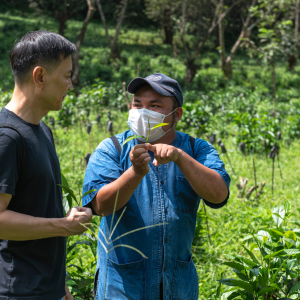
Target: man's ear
column 178, row 114
column 38, row 74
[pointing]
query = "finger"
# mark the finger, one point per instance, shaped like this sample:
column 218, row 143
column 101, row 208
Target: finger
column 163, row 153
column 142, row 157
column 169, row 154
column 152, row 148
column 155, row 163
column 139, row 151
column 146, row 161
column 145, row 146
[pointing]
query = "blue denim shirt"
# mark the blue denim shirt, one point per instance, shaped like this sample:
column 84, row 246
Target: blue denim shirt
column 163, row 196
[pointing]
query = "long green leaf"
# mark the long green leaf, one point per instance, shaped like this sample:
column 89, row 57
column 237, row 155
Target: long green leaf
column 132, row 137
column 159, row 125
column 265, row 290
column 254, row 259
column 235, row 265
column 285, row 252
column 68, row 190
column 235, row 282
column 119, row 219
column 88, row 192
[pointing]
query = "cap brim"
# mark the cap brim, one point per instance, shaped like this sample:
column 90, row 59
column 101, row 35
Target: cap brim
column 134, row 85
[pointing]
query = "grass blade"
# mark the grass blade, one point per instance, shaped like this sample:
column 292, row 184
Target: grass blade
column 113, row 215
column 142, row 228
column 112, row 232
column 68, row 190
column 130, row 247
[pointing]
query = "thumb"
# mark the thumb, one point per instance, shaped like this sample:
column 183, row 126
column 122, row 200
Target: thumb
column 155, row 163
column 152, row 148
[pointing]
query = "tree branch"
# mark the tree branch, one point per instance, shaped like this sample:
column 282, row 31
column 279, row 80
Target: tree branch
column 118, row 27
column 103, row 21
column 186, row 49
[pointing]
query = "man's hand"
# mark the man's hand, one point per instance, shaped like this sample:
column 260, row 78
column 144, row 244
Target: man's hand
column 74, row 217
column 68, row 294
column 140, row 158
column 164, row 154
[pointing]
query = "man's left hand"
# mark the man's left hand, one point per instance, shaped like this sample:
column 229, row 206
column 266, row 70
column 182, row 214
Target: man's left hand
column 68, row 294
column 164, row 154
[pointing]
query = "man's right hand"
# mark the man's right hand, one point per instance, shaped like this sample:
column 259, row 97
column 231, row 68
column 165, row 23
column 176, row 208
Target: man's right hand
column 74, row 217
column 140, row 159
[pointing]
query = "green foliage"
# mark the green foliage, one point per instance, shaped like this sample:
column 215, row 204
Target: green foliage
column 276, row 270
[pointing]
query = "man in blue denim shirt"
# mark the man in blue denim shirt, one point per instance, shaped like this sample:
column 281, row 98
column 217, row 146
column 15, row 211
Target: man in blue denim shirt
column 159, row 182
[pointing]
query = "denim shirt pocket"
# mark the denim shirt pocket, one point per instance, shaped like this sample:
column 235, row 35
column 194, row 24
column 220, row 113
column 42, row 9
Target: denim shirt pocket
column 186, row 199
column 125, row 281
column 185, row 284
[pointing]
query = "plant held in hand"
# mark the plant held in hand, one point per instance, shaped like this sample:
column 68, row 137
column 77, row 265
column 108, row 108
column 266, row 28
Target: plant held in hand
column 141, row 136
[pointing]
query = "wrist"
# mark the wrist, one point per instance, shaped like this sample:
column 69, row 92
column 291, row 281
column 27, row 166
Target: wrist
column 179, row 158
column 60, row 226
column 138, row 173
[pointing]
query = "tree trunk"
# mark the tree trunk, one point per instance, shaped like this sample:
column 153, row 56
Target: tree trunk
column 292, row 59
column 190, row 72
column 167, row 26
column 62, row 26
column 89, row 15
column 168, row 35
column 227, row 69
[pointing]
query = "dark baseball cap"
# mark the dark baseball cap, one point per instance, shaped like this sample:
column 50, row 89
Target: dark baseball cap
column 161, row 83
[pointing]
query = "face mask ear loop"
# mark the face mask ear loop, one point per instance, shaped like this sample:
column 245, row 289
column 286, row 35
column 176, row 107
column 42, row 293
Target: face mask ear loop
column 171, row 112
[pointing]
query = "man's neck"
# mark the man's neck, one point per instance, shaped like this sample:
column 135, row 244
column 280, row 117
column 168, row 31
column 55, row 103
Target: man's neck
column 25, row 107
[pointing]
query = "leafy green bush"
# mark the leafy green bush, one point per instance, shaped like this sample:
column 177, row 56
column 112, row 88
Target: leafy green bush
column 272, row 268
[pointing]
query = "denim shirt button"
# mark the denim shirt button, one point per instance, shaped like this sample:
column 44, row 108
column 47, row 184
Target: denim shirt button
column 166, row 210
column 165, row 269
column 162, row 183
column 166, row 240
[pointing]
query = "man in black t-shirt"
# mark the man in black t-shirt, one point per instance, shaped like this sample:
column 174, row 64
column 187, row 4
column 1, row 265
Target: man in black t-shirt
column 32, row 224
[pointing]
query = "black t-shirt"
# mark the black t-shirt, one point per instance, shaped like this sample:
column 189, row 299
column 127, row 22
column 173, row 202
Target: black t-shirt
column 32, row 269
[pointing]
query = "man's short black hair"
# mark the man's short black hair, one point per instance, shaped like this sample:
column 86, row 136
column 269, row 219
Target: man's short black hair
column 40, row 47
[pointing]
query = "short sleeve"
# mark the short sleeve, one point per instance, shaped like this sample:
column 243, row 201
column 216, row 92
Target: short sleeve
column 9, row 161
column 103, row 168
column 208, row 156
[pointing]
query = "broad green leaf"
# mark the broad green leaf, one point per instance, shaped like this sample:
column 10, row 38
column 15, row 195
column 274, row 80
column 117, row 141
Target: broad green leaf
column 255, row 271
column 64, row 180
column 254, row 259
column 84, row 282
column 88, row 192
column 132, row 137
column 71, row 282
column 265, row 290
column 235, row 265
column 295, row 288
column 68, row 190
column 278, row 215
column 276, row 232
column 235, row 282
column 240, row 275
column 291, row 235
column 285, row 252
column 247, row 261
column 69, row 197
column 159, row 125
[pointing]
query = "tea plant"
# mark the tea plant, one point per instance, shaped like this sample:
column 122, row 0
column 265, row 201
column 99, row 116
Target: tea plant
column 272, row 273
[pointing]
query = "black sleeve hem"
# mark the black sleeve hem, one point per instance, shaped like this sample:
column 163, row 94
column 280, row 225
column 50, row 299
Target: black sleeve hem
column 217, row 205
column 89, row 205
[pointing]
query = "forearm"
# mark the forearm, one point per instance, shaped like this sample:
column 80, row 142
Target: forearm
column 207, row 183
column 105, row 199
column 19, row 227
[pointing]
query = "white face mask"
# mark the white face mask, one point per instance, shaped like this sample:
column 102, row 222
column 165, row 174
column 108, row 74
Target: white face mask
column 138, row 123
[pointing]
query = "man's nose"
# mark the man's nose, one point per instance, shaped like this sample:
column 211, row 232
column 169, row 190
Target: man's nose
column 70, row 86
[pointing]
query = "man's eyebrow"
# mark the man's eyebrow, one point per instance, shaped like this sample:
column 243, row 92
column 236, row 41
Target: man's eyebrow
column 151, row 101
